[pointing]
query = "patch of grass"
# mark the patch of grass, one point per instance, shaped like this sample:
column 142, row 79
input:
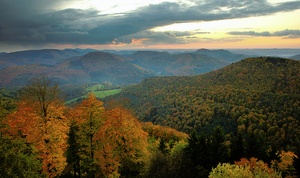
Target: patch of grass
column 103, row 94
column 94, row 88
column 99, row 91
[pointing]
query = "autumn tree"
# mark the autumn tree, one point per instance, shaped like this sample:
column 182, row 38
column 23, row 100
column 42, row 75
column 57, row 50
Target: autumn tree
column 124, row 144
column 285, row 163
column 43, row 93
column 104, row 143
column 40, row 119
column 245, row 168
column 86, row 118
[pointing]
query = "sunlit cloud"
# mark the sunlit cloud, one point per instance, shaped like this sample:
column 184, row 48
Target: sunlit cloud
column 116, row 22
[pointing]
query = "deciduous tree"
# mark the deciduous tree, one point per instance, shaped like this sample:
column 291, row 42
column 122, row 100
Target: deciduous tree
column 124, row 143
column 40, row 119
column 87, row 118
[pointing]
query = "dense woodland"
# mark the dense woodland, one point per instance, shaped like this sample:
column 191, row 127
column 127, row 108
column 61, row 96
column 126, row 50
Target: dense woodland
column 239, row 121
column 259, row 96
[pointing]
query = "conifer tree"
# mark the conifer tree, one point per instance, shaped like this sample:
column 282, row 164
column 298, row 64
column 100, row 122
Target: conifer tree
column 219, row 152
column 237, row 148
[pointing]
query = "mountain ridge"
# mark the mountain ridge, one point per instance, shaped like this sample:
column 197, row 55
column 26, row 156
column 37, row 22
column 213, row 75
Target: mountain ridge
column 43, row 56
column 92, row 67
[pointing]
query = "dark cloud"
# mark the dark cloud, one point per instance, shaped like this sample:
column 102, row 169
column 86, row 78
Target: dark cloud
column 250, row 33
column 288, row 33
column 39, row 22
column 285, row 33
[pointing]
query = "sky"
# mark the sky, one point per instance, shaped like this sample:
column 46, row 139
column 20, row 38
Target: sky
column 144, row 24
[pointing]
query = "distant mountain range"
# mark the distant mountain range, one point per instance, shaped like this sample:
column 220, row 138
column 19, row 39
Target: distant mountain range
column 91, row 67
column 188, row 63
column 79, row 66
column 44, row 56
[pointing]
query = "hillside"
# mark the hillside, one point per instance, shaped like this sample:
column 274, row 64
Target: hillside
column 44, row 56
column 102, row 67
column 92, row 67
column 296, row 57
column 255, row 95
column 152, row 60
column 76, row 66
column 222, row 55
column 185, row 63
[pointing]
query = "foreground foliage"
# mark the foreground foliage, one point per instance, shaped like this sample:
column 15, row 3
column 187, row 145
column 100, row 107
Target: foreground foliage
column 244, row 169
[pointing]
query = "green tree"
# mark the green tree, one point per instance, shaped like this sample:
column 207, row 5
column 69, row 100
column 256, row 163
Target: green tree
column 169, row 165
column 256, row 146
column 237, row 148
column 296, row 163
column 7, row 103
column 162, row 146
column 73, row 151
column 198, row 152
column 219, row 151
column 244, row 169
column 18, row 159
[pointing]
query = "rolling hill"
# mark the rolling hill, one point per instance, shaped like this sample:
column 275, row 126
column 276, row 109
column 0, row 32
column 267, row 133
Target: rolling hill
column 185, row 63
column 223, row 55
column 255, row 95
column 92, row 67
column 78, row 66
column 101, row 67
column 44, row 56
column 296, row 57
column 152, row 60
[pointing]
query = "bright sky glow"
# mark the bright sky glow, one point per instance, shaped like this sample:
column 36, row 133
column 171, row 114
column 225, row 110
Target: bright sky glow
column 274, row 22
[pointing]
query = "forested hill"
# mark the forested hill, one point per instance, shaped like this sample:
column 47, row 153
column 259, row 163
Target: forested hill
column 255, row 95
column 262, row 74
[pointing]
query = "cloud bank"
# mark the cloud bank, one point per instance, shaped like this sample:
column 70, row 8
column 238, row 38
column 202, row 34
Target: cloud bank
column 39, row 22
column 284, row 33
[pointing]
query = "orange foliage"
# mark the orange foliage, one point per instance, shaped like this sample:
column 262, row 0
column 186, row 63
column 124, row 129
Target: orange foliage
column 48, row 134
column 107, row 138
column 285, row 165
column 254, row 164
column 89, row 116
column 123, row 139
column 164, row 132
